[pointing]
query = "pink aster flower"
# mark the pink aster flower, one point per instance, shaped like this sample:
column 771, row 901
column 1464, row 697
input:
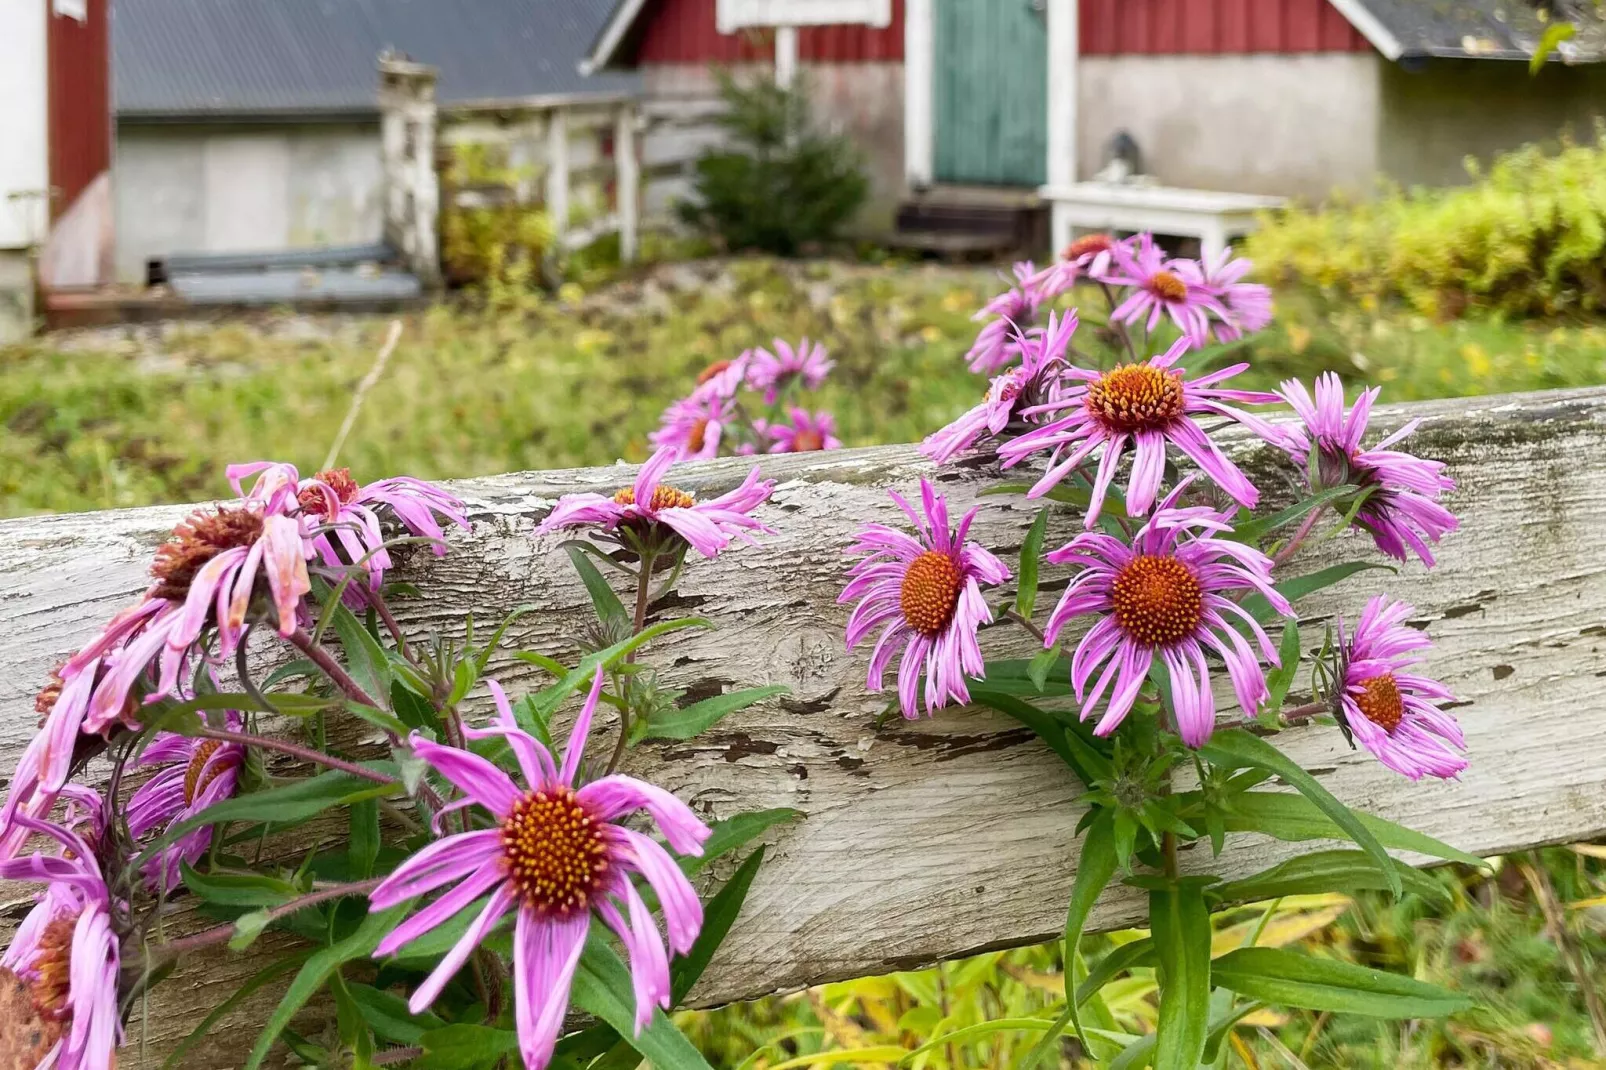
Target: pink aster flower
column 59, row 976
column 1390, row 710
column 1166, row 595
column 556, row 856
column 1147, row 406
column 924, row 593
column 774, row 372
column 807, row 432
column 1006, row 316
column 1091, row 256
column 694, row 425
column 708, row 526
column 724, row 378
column 1245, row 306
column 1161, row 286
column 1034, row 382
column 193, row 774
column 1402, row 510
column 349, row 517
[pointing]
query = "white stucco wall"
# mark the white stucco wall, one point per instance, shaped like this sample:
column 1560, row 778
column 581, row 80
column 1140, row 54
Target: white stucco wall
column 24, row 160
column 1303, row 125
column 243, row 189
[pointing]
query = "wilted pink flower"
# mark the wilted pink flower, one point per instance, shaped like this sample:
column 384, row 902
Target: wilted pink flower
column 1033, row 382
column 924, row 593
column 774, row 372
column 346, row 517
column 1148, row 406
column 556, row 856
column 1402, row 509
column 807, row 432
column 1161, row 286
column 59, row 976
column 1090, row 256
column 694, row 425
column 1165, row 595
column 708, row 526
column 1007, row 316
column 1245, row 306
column 1392, row 711
column 194, row 774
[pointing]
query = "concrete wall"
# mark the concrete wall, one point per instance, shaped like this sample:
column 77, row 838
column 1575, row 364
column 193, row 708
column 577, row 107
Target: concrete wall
column 24, row 159
column 1299, row 126
column 217, row 188
column 1440, row 112
column 16, row 295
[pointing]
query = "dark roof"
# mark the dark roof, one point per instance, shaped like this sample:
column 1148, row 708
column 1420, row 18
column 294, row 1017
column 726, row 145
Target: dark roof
column 266, row 58
column 1479, row 29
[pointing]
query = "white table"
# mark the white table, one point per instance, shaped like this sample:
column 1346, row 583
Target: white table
column 1209, row 215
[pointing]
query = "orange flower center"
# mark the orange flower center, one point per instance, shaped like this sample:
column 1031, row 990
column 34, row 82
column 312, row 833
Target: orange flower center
column 53, row 965
column 694, row 441
column 1158, row 600
column 808, row 440
column 711, row 371
column 1088, row 243
column 1380, row 701
column 26, row 1034
column 1167, row 287
column 196, row 775
column 554, row 851
column 336, row 479
column 195, row 542
column 45, row 700
column 1136, row 397
column 663, row 497
column 930, row 592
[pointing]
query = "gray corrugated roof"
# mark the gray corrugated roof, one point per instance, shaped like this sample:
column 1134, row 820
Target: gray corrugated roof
column 220, row 58
column 1494, row 29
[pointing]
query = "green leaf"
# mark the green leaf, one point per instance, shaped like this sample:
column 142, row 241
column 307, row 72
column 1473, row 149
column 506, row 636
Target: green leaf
column 1049, row 728
column 315, row 972
column 1294, row 819
column 1041, row 665
column 734, row 832
column 1549, row 41
column 464, row 1047
column 700, row 716
column 1240, row 748
column 603, row 598
column 387, row 1015
column 602, row 986
column 1252, row 531
column 1288, row 978
column 1031, row 553
column 379, row 719
column 1223, row 1026
column 1299, row 586
column 465, row 674
column 268, row 973
column 518, row 611
column 363, row 849
column 719, row 914
column 247, row 927
column 1180, row 922
column 300, row 668
column 1327, row 871
column 969, row 1033
column 545, row 703
column 413, row 710
column 1280, row 679
column 236, row 889
column 1095, row 865
column 366, row 659
column 1019, row 677
column 1128, row 956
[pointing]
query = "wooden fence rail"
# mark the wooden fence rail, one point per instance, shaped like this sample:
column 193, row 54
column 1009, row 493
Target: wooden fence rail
column 932, row 839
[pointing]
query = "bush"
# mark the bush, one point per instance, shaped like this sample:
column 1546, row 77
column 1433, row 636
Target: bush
column 1526, row 238
column 782, row 184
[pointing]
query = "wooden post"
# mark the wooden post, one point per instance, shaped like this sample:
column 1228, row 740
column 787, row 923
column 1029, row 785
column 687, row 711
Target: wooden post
column 557, row 174
column 407, row 122
column 918, row 95
column 1063, row 89
column 627, row 181
column 785, row 55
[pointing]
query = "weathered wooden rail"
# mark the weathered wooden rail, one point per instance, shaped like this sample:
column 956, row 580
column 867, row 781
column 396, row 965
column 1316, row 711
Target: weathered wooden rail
column 931, row 839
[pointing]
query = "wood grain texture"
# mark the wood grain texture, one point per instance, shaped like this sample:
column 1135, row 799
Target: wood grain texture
column 931, row 839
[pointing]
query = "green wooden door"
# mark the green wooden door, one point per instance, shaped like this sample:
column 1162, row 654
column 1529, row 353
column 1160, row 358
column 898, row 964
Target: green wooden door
column 991, row 92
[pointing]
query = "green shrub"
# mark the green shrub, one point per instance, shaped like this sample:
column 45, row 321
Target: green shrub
column 782, row 184
column 1527, row 238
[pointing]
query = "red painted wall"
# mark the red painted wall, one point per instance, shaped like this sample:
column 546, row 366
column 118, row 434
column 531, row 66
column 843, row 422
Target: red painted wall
column 683, row 31
column 1214, row 27
column 79, row 101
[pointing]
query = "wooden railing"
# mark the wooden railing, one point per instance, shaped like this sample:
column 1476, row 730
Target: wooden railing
column 931, row 839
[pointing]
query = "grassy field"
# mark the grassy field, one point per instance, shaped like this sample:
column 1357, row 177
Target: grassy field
column 115, row 418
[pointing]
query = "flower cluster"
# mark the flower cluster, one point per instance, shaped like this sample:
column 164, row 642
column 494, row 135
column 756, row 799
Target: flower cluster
column 719, row 417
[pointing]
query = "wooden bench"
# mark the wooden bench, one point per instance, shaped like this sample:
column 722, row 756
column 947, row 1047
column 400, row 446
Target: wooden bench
column 1212, row 217
column 937, row 838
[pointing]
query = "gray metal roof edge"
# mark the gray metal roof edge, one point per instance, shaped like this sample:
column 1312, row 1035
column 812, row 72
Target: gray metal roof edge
column 182, row 116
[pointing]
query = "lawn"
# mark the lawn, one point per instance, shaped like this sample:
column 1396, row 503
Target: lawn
column 144, row 415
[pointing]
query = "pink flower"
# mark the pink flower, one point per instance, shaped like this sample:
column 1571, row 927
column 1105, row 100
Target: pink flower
column 1165, row 595
column 1402, row 509
column 708, row 526
column 724, row 377
column 1245, row 306
column 1163, row 286
column 1149, row 406
column 1090, row 256
column 1007, row 315
column 65, row 955
column 807, row 432
column 694, row 425
column 774, row 372
column 348, row 517
column 924, row 593
column 194, row 774
column 1392, row 711
column 556, row 856
column 1033, row 382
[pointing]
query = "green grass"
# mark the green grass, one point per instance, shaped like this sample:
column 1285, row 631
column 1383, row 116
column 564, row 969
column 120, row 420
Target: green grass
column 538, row 383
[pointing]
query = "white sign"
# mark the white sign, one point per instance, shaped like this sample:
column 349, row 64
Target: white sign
column 733, row 15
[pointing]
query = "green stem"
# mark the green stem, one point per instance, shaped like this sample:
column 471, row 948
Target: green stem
column 222, row 933
column 643, row 600
column 332, row 669
column 295, row 750
column 1305, row 528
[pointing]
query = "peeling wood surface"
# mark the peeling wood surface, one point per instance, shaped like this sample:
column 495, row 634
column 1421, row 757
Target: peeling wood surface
column 931, row 839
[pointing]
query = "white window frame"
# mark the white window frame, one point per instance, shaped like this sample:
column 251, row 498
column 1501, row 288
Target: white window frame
column 733, row 15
